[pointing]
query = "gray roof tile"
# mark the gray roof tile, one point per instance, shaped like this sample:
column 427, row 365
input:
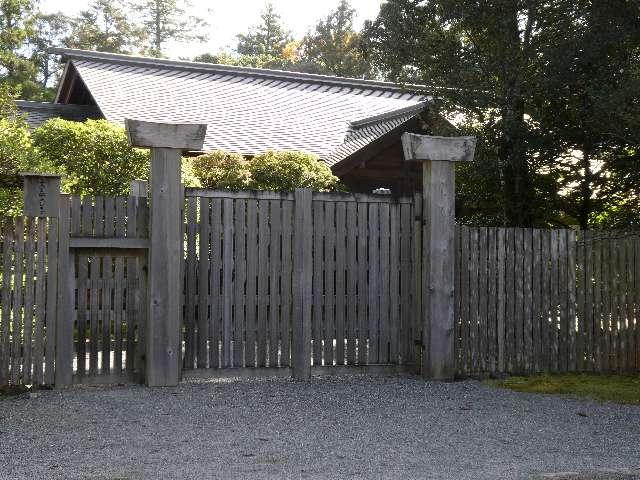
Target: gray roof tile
column 247, row 110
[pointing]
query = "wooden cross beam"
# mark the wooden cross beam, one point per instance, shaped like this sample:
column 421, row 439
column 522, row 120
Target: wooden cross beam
column 438, row 155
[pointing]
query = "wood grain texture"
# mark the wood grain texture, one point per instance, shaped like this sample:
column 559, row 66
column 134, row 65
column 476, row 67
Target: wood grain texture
column 302, row 285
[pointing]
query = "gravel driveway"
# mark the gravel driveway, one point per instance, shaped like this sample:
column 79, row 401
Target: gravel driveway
column 349, row 427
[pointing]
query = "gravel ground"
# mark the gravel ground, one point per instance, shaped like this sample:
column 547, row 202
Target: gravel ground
column 349, row 427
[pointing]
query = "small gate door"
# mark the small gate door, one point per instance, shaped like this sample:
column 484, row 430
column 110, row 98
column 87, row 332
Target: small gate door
column 108, row 254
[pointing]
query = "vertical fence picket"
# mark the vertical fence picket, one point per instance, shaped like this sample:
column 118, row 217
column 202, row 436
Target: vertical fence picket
column 363, row 291
column 29, row 300
column 215, row 279
column 8, row 239
column 287, row 284
column 253, row 328
column 318, row 281
column 329, row 284
column 275, row 270
column 340, row 279
column 373, row 283
column 352, row 282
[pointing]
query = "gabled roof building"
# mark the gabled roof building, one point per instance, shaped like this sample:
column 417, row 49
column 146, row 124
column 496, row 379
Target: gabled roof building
column 352, row 125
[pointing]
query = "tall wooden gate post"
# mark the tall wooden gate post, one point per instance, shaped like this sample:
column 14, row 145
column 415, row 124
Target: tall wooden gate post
column 167, row 141
column 438, row 155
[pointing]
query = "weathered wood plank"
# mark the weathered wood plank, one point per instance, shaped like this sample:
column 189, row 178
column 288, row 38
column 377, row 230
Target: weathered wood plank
column 190, row 266
column 40, row 302
column 18, row 282
column 204, row 241
column 374, row 283
column 393, row 323
column 132, row 323
column 536, row 301
column 227, row 281
column 318, row 280
column 263, row 282
column 253, row 270
column 528, row 364
column 501, row 300
column 384, row 288
column 465, row 311
column 571, row 300
column 95, row 279
column 302, row 285
column 474, row 300
column 341, row 286
column 483, row 284
column 363, row 289
column 406, row 307
column 518, row 317
column 215, row 279
column 328, row 330
column 352, row 282
column 275, row 270
column 7, row 240
column 29, row 300
column 240, row 265
column 286, row 287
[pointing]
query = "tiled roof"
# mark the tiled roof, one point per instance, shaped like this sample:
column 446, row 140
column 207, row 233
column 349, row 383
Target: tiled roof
column 39, row 112
column 247, row 110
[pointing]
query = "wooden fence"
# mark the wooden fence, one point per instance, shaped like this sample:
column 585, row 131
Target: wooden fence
column 73, row 290
column 530, row 301
column 239, row 268
column 28, row 276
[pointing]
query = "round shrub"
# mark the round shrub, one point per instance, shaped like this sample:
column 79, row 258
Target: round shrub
column 221, row 170
column 286, row 171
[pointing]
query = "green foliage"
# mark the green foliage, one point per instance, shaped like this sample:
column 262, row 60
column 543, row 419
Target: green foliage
column 269, row 38
column 106, row 27
column 334, row 46
column 94, row 156
column 280, row 171
column 16, row 151
column 606, row 388
column 286, row 171
column 17, row 21
column 551, row 88
column 222, row 170
column 167, row 20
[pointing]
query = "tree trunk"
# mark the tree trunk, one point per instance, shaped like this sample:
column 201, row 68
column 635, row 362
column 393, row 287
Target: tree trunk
column 584, row 210
column 518, row 183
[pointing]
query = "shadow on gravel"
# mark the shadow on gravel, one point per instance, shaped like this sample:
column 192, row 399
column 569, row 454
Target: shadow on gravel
column 589, row 476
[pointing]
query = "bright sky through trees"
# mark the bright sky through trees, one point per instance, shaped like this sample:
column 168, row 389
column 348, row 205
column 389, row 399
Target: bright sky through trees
column 227, row 18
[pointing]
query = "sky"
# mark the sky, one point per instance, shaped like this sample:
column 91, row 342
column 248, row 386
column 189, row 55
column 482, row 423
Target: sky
column 227, row 18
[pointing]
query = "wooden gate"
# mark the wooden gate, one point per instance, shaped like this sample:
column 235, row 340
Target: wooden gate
column 107, row 285
column 239, row 279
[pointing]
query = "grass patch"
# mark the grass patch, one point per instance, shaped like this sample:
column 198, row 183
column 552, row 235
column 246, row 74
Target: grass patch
column 605, row 388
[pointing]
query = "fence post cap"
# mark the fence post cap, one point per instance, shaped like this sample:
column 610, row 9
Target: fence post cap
column 180, row 136
column 428, row 147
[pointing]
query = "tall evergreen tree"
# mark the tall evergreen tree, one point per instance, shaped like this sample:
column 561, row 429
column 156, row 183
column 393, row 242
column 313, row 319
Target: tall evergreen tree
column 167, row 20
column 17, row 26
column 268, row 39
column 334, row 46
column 49, row 31
column 105, row 26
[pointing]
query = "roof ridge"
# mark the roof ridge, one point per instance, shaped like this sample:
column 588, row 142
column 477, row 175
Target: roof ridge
column 417, row 108
column 75, row 54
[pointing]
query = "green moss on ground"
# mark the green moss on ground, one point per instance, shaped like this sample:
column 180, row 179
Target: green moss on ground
column 605, row 388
